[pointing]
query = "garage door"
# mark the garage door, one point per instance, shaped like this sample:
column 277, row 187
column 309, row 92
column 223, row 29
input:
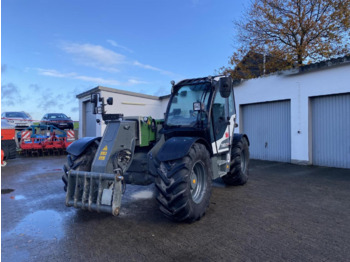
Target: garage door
column 268, row 128
column 331, row 130
column 89, row 120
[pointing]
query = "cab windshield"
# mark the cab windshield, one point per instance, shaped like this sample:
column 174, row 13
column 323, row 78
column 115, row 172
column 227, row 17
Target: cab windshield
column 181, row 111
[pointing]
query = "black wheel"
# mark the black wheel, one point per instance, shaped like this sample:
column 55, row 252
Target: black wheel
column 238, row 174
column 80, row 163
column 184, row 185
column 9, row 147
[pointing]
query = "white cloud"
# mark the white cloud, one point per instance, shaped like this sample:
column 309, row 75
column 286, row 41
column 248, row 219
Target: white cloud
column 104, row 59
column 54, row 73
column 149, row 67
column 94, row 56
column 98, row 80
column 115, row 44
column 136, row 82
column 95, row 80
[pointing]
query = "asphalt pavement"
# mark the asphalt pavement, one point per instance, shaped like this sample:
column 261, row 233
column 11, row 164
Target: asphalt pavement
column 285, row 212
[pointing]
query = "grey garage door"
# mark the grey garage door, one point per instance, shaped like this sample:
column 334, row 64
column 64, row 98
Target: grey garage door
column 331, row 130
column 89, row 120
column 268, row 128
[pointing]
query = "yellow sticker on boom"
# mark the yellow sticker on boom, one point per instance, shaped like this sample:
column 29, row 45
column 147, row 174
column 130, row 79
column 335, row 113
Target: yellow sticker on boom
column 103, row 153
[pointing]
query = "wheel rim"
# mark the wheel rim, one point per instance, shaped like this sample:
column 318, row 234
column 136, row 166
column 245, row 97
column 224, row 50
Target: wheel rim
column 198, row 182
column 243, row 161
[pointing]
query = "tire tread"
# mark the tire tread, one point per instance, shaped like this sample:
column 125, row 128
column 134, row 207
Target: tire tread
column 172, row 183
column 236, row 176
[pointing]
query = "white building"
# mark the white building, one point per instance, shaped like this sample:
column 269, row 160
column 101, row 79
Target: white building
column 124, row 102
column 299, row 116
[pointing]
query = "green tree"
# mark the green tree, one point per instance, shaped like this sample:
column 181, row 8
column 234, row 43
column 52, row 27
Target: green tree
column 280, row 33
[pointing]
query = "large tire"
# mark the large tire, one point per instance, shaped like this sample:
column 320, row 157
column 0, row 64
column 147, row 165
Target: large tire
column 9, row 147
column 184, row 185
column 238, row 174
column 82, row 162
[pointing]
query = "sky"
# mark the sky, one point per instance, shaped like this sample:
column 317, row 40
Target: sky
column 53, row 50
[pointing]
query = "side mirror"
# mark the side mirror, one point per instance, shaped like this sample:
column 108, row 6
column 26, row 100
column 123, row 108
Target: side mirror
column 225, row 86
column 110, row 101
column 94, row 99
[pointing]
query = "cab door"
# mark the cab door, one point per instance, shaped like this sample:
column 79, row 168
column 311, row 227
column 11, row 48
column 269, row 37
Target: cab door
column 223, row 118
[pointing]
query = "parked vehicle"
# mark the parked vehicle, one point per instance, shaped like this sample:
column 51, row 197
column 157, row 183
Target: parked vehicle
column 181, row 154
column 19, row 120
column 58, row 120
column 8, row 143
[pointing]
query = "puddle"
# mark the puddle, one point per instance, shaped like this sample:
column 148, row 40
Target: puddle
column 18, row 197
column 146, row 194
column 6, row 191
column 45, row 225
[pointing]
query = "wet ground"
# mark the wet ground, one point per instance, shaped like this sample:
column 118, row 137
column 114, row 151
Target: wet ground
column 285, row 213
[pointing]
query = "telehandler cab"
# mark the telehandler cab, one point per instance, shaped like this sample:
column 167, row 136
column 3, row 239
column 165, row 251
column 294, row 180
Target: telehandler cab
column 181, row 154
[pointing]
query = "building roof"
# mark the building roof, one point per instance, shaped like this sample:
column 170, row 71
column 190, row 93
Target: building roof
column 340, row 61
column 253, row 63
column 324, row 64
column 118, row 91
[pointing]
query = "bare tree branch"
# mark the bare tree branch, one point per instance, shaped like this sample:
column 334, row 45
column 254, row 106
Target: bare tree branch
column 301, row 31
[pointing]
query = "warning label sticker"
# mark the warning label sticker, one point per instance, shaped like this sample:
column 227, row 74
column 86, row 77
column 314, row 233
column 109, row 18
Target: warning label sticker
column 103, row 153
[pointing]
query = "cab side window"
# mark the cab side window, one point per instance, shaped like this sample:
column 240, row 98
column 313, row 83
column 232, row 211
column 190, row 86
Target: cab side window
column 231, row 105
column 219, row 116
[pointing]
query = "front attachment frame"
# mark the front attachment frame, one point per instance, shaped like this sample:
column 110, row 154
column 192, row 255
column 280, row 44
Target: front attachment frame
column 93, row 191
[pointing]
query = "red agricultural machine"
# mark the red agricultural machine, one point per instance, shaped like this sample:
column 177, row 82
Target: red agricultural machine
column 38, row 140
column 8, row 142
